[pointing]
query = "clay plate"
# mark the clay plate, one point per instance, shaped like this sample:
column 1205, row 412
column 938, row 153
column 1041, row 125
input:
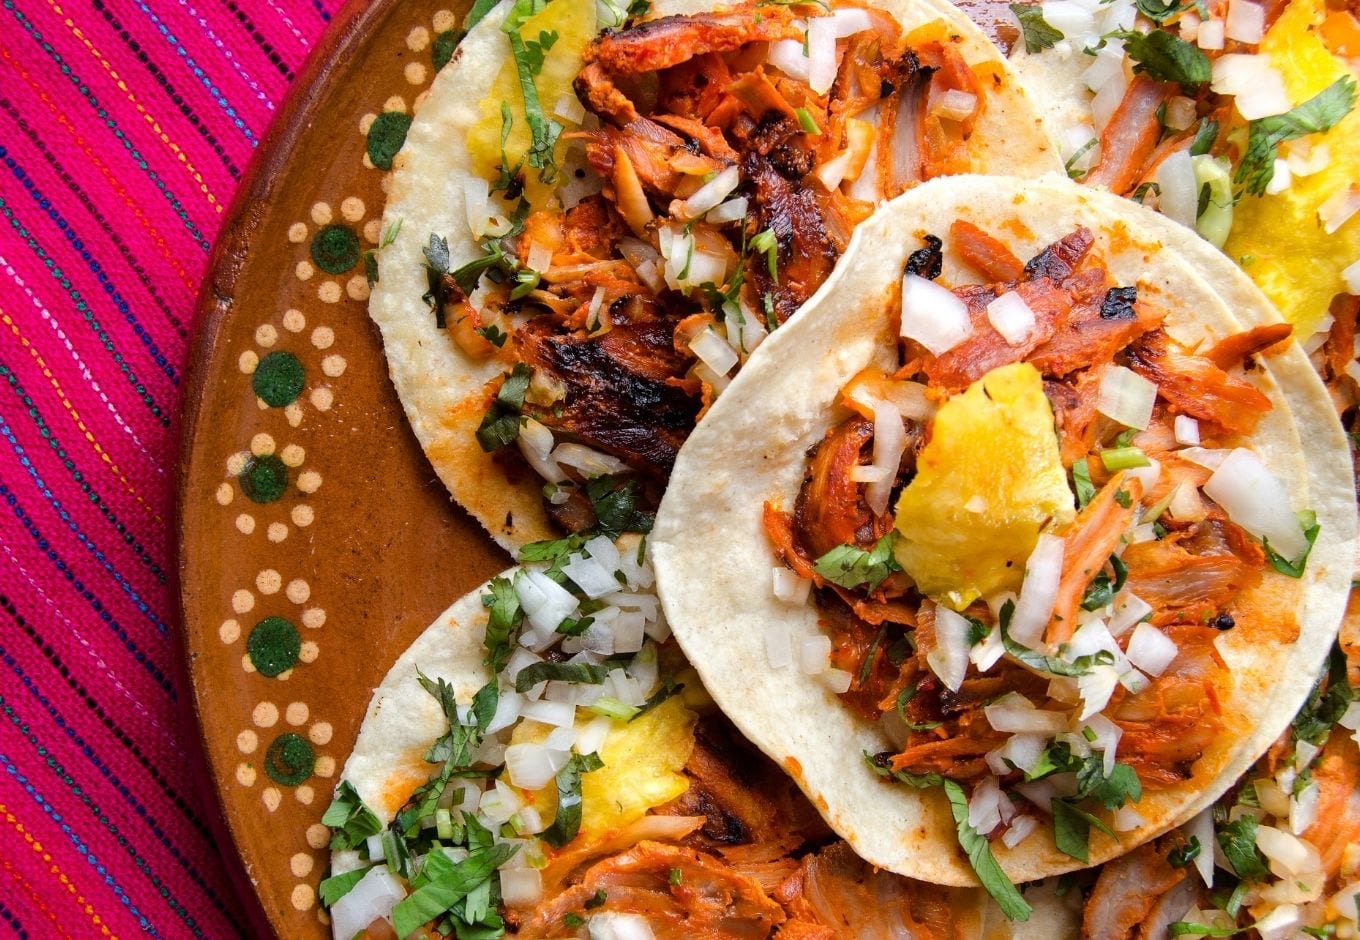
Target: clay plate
column 315, row 540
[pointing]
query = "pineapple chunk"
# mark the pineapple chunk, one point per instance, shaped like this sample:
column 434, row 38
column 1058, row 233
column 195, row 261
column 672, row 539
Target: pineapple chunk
column 643, row 760
column 988, row 482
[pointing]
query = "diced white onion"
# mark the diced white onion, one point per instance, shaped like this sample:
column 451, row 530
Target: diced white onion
column 713, row 351
column 708, row 196
column 1148, row 475
column 372, row 898
column 589, row 461
column 1095, row 687
column 789, row 586
column 821, row 47
column 557, row 714
column 732, row 210
column 521, row 887
column 949, row 658
column 1179, row 196
column 1338, row 209
column 546, row 603
column 833, row 171
column 1039, row 591
column 1013, row 713
column 1289, row 856
column 535, row 442
column 1187, row 431
column 539, row 257
column 1073, row 20
column 1209, row 36
column 984, row 806
column 1020, row 750
column 787, row 56
column 1246, row 21
column 1019, row 829
column 1126, row 397
column 1010, row 316
column 847, row 22
column 590, row 576
column 1303, row 809
column 1188, row 25
column 814, row 654
column 1107, row 100
column 1127, row 819
column 612, row 925
column 1106, row 739
column 1305, row 157
column 837, row 680
column 569, row 108
column 594, row 320
column 1185, row 505
column 1201, row 827
column 1281, row 179
column 531, row 765
column 476, row 199
column 518, row 660
column 1351, row 275
column 868, row 473
column 954, row 105
column 890, row 441
column 1042, row 792
column 1256, row 85
column 985, row 654
column 1134, row 681
column 590, row 737
column 1257, row 500
column 1151, row 650
column 1204, row 456
column 1180, row 113
column 778, row 644
column 932, row 315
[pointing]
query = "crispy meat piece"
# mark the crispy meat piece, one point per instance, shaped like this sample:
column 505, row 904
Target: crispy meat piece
column 987, row 255
column 830, row 510
column 1129, row 890
column 1193, row 385
column 1229, row 353
column 1194, row 573
column 1131, row 136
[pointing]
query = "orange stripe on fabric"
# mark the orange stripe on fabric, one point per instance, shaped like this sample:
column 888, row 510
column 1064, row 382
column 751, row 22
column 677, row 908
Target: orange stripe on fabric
column 59, row 116
column 54, row 869
column 122, row 86
column 75, row 415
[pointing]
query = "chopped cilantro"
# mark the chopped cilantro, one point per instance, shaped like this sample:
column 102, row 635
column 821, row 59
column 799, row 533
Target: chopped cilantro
column 1205, row 135
column 1327, row 703
column 503, row 624
column 1237, row 839
column 1319, row 113
column 336, row 887
column 615, row 503
column 980, row 858
column 1103, row 589
column 1185, row 853
column 568, row 820
column 1049, row 664
column 1311, row 527
column 581, row 673
column 1039, row 35
column 1081, row 483
column 443, row 886
column 1165, row 57
column 500, row 426
column 351, row 820
column 850, row 566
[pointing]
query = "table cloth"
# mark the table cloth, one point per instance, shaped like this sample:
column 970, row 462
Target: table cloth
column 125, row 128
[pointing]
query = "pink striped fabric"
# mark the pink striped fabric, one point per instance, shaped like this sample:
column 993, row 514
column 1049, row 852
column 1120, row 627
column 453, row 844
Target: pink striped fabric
column 125, row 128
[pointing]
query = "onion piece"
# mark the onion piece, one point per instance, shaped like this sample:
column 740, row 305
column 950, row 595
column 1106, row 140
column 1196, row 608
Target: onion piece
column 1106, row 739
column 1303, row 808
column 1257, row 500
column 1256, row 85
column 949, row 658
column 593, row 578
column 714, row 352
column 546, row 603
column 814, row 654
column 1020, row 752
column 532, row 765
column 372, row 898
column 789, row 586
column 787, row 55
column 535, row 442
column 1202, row 828
column 1351, row 275
column 632, row 200
column 1126, row 397
column 613, row 925
column 1187, row 431
column 932, row 315
column 847, row 22
column 984, row 806
column 589, row 461
column 1246, row 21
column 708, row 196
column 1207, row 457
column 1179, row 196
column 1039, row 592
column 1010, row 316
column 953, row 105
column 1209, row 36
column 1020, row 828
column 1095, row 687
column 837, row 680
column 821, row 53
column 507, row 711
column 521, row 887
column 890, row 441
column 1127, row 819
column 557, row 714
column 1013, row 713
column 733, row 210
column 778, row 645
column 1151, row 650
column 1289, row 856
column 1338, row 209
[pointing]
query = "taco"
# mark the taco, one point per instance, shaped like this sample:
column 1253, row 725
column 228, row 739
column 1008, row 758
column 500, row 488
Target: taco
column 587, row 234
column 1071, row 569
column 541, row 762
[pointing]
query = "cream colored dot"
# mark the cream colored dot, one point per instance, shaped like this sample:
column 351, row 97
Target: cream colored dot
column 443, row 21
column 420, row 100
column 352, row 208
column 245, row 523
column 276, row 532
column 417, row 39
column 304, row 270
column 237, row 462
column 297, row 232
column 247, row 741
column 261, row 404
column 322, row 917
column 303, row 897
column 285, row 675
column 357, row 287
column 321, row 213
column 265, row 715
column 309, row 481
column 245, row 774
column 248, row 361
column 313, row 618
column 242, row 601
column 296, row 713
column 367, row 161
column 301, row 864
column 247, row 664
column 302, row 515
column 415, row 73
column 269, row 581
column 334, row 365
column 225, row 494
column 395, row 103
column 266, row 334
column 262, row 445
column 325, row 766
column 323, row 337
column 366, row 122
column 271, row 798
column 373, row 231
column 322, row 399
column 309, row 652
column 320, row 733
column 294, row 321
column 318, row 836
column 298, row 591
column 329, row 292
column 229, row 632
column 305, row 795
column 293, row 455
column 293, row 412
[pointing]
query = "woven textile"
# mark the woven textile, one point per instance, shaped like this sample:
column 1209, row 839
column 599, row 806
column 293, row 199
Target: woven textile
column 125, row 128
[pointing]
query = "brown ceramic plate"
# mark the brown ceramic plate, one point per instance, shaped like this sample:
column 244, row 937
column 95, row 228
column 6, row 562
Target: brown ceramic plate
column 315, row 540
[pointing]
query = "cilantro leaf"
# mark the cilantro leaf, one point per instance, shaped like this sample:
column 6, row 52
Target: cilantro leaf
column 1049, row 664
column 1159, row 11
column 352, row 821
column 615, row 504
column 1039, row 34
column 1081, row 483
column 503, row 623
column 500, row 425
column 1294, row 568
column 1326, row 703
column 1071, row 830
column 442, row 884
column 336, row 887
column 544, row 132
column 480, row 8
column 850, row 566
column 568, row 820
column 980, row 858
column 1103, row 589
column 1120, row 787
column 1319, row 113
column 1238, row 841
column 1165, row 57
column 581, row 673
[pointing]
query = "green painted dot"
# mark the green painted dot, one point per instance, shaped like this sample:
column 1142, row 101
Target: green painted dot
column 335, row 249
column 441, row 50
column 290, row 759
column 385, row 137
column 273, row 646
column 278, row 379
column 264, row 478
